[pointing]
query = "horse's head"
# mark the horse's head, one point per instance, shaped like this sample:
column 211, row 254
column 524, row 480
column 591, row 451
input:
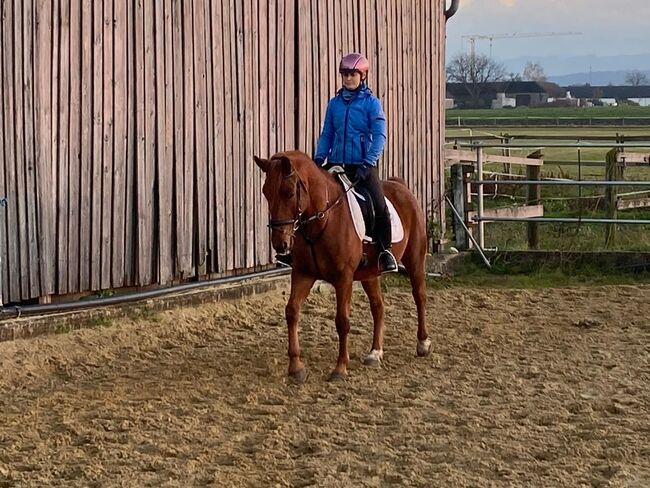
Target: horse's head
column 282, row 190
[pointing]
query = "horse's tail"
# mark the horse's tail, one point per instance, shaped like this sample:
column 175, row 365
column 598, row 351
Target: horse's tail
column 399, row 180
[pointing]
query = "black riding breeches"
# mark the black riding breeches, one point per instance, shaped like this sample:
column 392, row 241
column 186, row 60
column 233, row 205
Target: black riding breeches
column 372, row 183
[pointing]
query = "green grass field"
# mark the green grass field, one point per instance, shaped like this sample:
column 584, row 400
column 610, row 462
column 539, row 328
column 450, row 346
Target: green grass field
column 582, row 112
column 562, row 201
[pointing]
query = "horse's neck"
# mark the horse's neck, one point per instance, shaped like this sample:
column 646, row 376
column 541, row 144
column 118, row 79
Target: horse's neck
column 331, row 198
column 328, row 192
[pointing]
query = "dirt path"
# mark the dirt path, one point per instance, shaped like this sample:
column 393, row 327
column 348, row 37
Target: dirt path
column 524, row 388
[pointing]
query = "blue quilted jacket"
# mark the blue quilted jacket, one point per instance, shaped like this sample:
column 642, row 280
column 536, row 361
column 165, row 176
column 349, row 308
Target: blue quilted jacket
column 354, row 131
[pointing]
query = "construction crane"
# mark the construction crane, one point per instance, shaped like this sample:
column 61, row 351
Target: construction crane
column 519, row 35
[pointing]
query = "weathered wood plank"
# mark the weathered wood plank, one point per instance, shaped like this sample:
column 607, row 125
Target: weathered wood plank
column 107, row 146
column 140, row 181
column 622, row 204
column 240, row 139
column 439, row 115
column 189, row 146
column 453, row 156
column 398, row 118
column 19, row 122
column 317, row 68
column 323, row 69
column 220, row 141
column 288, row 100
column 429, row 161
column 281, row 75
column 182, row 260
column 211, row 245
column 264, row 130
column 150, row 74
column 330, row 47
column 391, row 81
column 249, row 135
column 4, row 188
column 120, row 156
column 527, row 211
column 74, row 168
column 304, row 70
column 167, row 259
column 86, row 163
column 131, row 207
column 30, row 156
column 633, row 159
column 271, row 53
column 230, row 121
column 61, row 145
column 258, row 118
column 200, row 121
column 97, row 145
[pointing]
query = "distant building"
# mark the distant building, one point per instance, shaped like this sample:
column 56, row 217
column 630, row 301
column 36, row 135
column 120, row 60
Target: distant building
column 502, row 101
column 611, row 95
column 508, row 94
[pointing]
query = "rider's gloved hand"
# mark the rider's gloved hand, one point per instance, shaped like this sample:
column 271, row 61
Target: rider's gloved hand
column 362, row 171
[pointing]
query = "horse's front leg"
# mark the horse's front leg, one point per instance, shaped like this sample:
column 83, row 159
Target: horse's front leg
column 343, row 302
column 300, row 287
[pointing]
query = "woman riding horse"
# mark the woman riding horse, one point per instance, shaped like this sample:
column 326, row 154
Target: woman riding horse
column 353, row 137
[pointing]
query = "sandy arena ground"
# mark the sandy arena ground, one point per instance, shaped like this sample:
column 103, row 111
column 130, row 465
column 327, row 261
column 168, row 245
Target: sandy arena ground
column 524, row 388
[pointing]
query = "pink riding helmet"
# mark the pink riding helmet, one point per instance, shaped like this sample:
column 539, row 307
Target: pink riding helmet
column 356, row 62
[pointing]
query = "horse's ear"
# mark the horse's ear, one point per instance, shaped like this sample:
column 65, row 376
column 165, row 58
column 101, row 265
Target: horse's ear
column 262, row 163
column 287, row 168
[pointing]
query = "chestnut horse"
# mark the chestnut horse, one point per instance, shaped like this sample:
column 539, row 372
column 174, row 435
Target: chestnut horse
column 310, row 218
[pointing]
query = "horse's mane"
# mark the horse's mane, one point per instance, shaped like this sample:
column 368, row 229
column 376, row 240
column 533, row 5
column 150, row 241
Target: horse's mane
column 304, row 166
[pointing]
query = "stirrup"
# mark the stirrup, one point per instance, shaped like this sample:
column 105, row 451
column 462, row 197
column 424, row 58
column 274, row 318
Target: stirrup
column 386, row 262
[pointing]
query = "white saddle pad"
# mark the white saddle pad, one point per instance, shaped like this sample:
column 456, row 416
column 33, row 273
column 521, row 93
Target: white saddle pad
column 397, row 230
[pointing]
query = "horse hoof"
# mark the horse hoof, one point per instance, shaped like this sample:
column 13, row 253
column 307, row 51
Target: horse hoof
column 299, row 377
column 336, row 376
column 373, row 359
column 424, row 347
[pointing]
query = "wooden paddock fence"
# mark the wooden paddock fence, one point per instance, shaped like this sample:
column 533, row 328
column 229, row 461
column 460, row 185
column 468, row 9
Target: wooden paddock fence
column 128, row 127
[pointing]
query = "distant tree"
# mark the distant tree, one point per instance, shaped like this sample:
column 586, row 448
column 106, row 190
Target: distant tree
column 636, row 78
column 474, row 71
column 514, row 77
column 534, row 72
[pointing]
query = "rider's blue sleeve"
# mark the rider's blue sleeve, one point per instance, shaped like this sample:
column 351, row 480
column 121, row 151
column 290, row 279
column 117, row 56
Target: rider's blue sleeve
column 378, row 131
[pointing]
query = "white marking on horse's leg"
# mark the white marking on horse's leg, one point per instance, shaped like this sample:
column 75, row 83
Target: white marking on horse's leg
column 374, row 358
column 424, row 347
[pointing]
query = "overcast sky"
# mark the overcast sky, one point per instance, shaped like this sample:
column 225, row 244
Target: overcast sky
column 608, row 27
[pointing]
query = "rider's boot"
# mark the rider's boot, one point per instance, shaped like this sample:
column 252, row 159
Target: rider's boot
column 386, row 262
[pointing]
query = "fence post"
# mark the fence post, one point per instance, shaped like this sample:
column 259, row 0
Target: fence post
column 480, row 190
column 534, row 198
column 613, row 172
column 461, row 203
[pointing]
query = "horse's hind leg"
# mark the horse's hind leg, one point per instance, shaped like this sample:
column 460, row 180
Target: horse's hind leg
column 372, row 287
column 414, row 264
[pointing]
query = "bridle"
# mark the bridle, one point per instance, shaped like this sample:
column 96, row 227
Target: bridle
column 300, row 221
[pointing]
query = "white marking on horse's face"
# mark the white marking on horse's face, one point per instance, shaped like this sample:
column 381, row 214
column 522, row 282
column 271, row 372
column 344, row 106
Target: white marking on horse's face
column 424, row 346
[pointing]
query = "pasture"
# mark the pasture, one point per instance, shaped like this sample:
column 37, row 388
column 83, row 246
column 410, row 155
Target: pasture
column 563, row 201
column 574, row 112
column 523, row 388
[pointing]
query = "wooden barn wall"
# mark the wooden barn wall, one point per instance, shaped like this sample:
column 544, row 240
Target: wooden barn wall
column 128, row 127
column 404, row 41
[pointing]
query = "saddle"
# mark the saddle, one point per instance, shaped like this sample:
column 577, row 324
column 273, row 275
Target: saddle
column 362, row 209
